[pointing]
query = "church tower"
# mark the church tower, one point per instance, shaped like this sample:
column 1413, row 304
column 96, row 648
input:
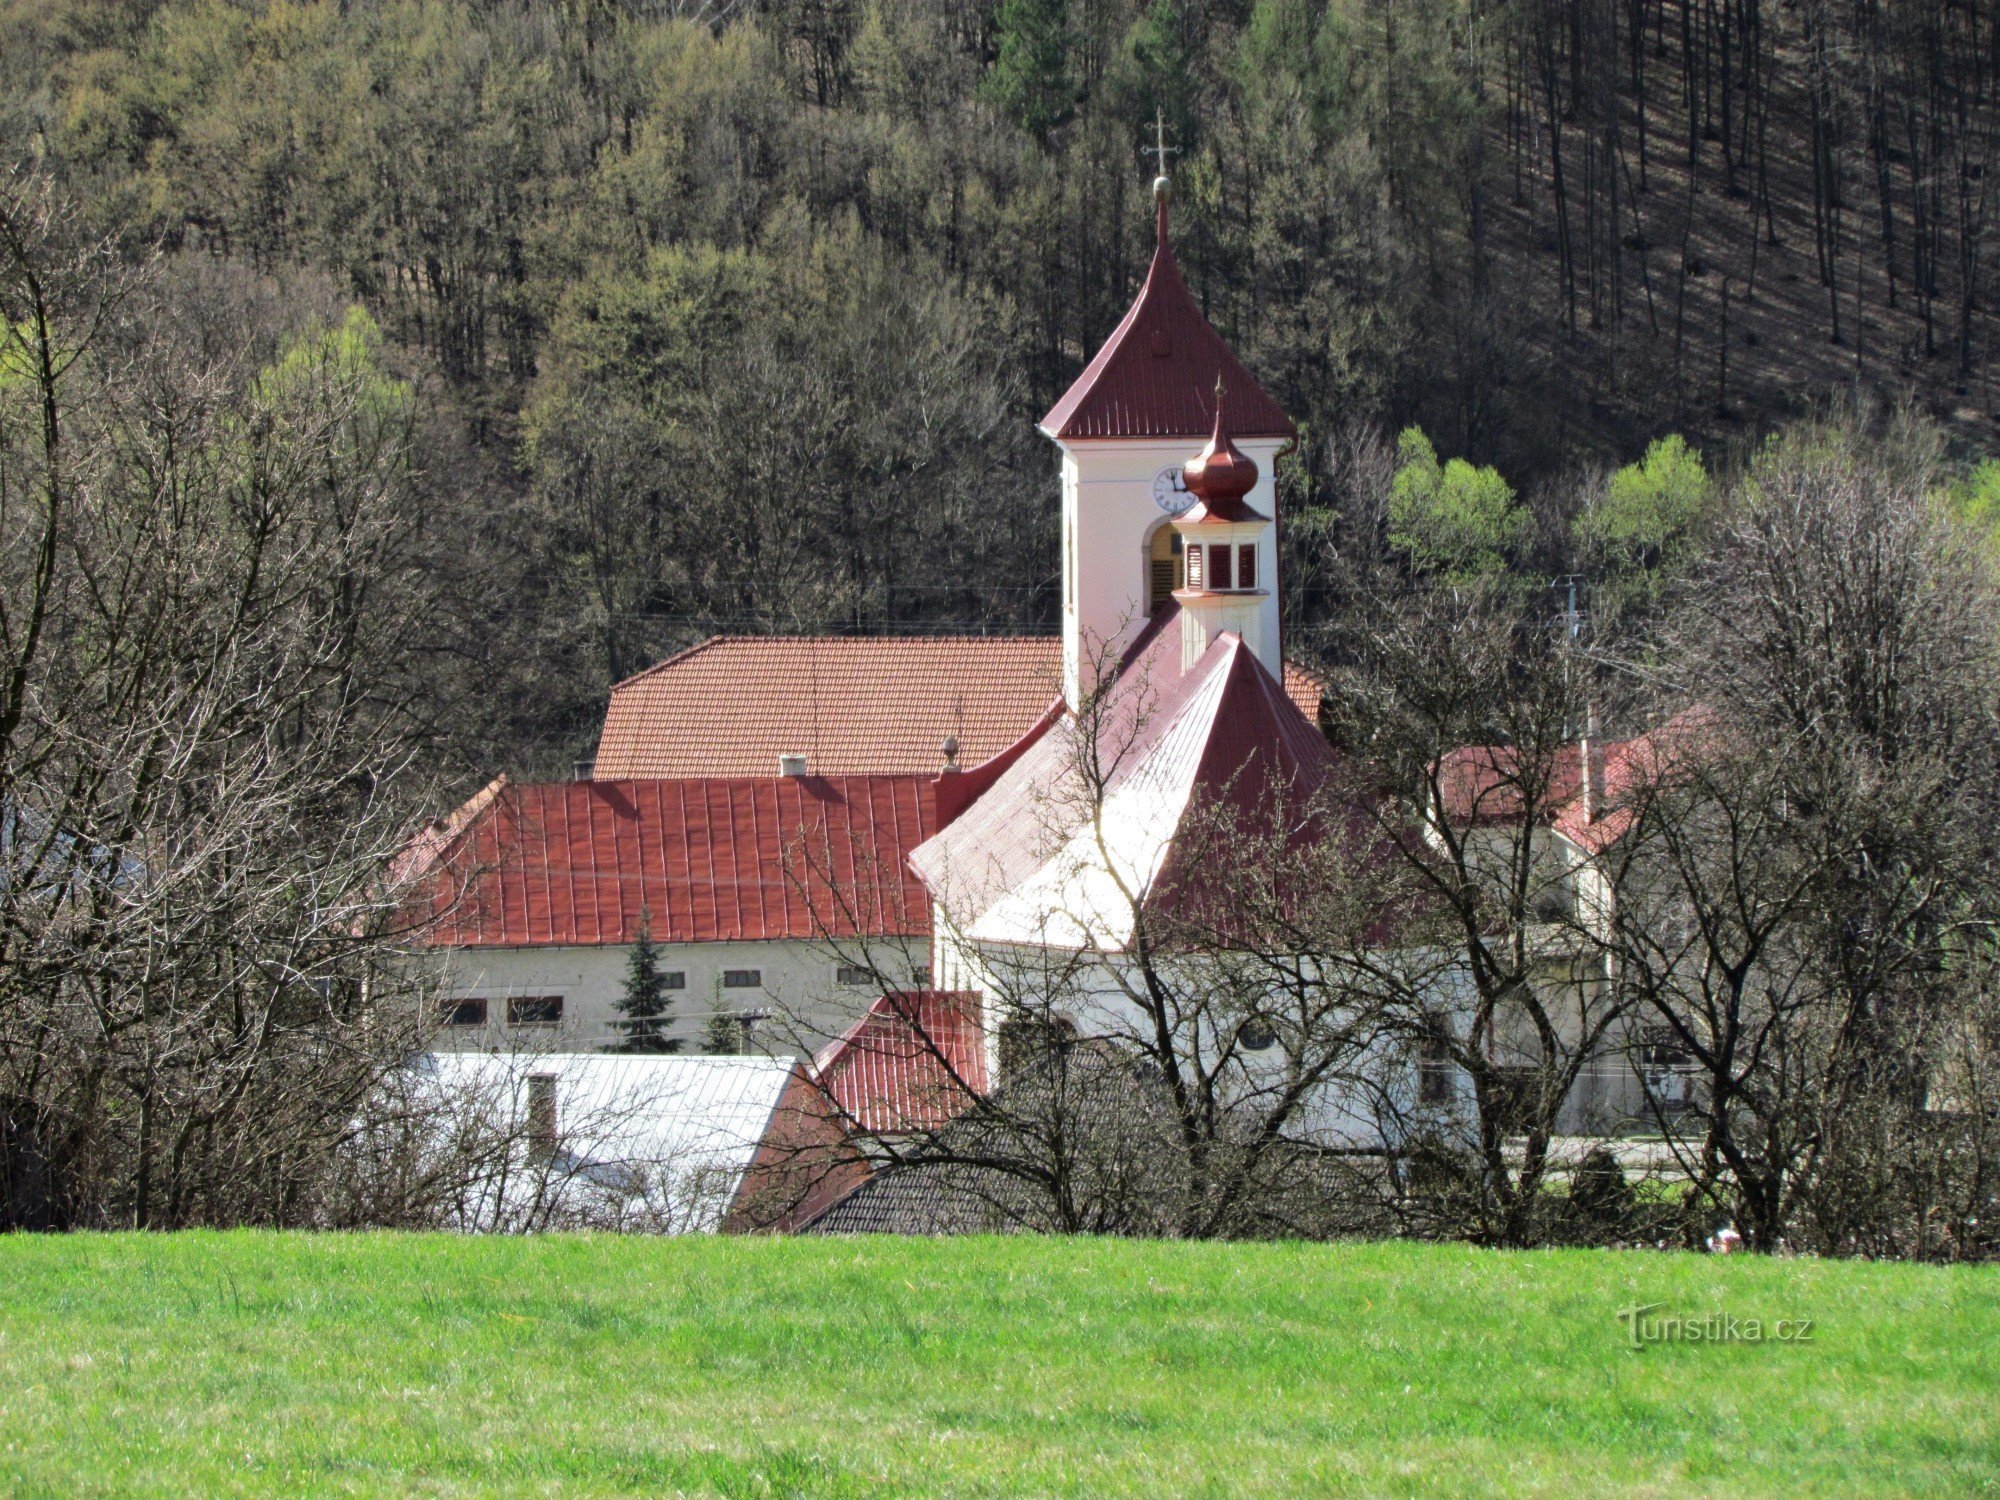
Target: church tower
column 1163, row 381
column 1230, row 561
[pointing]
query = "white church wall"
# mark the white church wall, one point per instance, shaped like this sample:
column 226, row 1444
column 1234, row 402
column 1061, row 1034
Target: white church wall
column 799, row 992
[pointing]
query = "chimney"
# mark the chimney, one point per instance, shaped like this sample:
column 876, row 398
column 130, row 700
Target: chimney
column 1590, row 769
column 541, row 1116
column 791, row 765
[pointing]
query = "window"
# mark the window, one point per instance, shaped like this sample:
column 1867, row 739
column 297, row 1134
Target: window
column 1257, row 1035
column 1027, row 1041
column 1218, row 567
column 852, row 975
column 673, row 979
column 1664, row 1068
column 1194, row 577
column 1434, row 1081
column 920, row 976
column 1246, row 566
column 465, row 1013
column 534, row 1010
column 1163, row 560
column 742, row 979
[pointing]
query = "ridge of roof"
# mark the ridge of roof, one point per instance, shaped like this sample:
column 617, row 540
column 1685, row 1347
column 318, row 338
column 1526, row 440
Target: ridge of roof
column 1159, row 385
column 1224, row 725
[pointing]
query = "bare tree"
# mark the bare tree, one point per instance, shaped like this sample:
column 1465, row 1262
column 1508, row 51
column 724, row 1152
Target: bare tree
column 206, row 601
column 1475, row 713
column 1808, row 911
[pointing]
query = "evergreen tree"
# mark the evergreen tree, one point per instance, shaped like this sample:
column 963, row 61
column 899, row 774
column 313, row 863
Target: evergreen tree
column 1031, row 80
column 723, row 1036
column 647, row 1011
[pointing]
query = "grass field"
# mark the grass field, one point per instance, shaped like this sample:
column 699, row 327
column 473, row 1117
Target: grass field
column 272, row 1364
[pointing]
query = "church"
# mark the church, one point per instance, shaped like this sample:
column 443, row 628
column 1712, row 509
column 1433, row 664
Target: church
column 800, row 822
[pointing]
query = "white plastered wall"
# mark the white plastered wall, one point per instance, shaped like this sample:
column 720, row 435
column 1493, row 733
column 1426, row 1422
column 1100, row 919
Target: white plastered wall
column 799, row 991
column 1109, row 514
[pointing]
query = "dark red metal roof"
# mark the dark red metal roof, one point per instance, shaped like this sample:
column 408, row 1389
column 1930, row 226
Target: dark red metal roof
column 916, row 1061
column 1156, row 374
column 714, row 859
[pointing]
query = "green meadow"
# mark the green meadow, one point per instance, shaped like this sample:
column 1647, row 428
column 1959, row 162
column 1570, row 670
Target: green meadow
column 276, row 1364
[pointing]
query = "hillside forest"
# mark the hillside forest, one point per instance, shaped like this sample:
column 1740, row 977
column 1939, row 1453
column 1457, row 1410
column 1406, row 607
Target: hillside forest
column 736, row 314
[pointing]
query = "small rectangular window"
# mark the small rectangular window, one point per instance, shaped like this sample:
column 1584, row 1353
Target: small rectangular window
column 920, row 976
column 534, row 1010
column 673, row 979
column 1194, row 568
column 742, row 979
column 1434, row 1072
column 1218, row 567
column 852, row 975
column 465, row 1013
column 1246, row 566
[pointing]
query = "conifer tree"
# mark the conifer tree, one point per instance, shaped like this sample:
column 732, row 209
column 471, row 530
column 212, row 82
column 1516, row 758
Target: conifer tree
column 647, row 1011
column 723, row 1036
column 1030, row 80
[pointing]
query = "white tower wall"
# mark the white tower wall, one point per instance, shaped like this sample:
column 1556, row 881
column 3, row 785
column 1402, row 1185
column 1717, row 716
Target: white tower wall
column 1109, row 514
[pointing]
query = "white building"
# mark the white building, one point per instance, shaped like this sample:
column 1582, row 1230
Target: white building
column 783, row 903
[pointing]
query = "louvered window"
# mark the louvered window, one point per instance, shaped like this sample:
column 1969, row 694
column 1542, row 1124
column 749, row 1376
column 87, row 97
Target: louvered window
column 1246, row 566
column 1163, row 583
column 1194, row 568
column 1218, row 567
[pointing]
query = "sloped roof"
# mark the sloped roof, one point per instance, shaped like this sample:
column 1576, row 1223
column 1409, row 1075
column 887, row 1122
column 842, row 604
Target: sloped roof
column 1024, row 864
column 1156, row 375
column 717, row 859
column 682, row 1129
column 852, row 705
column 915, row 1061
column 1487, row 785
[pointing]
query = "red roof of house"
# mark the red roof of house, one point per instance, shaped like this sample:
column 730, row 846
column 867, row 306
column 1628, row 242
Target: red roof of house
column 1156, row 374
column 717, row 859
column 916, row 1061
column 1487, row 784
column 852, row 705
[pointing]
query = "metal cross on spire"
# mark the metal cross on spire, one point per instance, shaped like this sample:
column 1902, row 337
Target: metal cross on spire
column 1160, row 150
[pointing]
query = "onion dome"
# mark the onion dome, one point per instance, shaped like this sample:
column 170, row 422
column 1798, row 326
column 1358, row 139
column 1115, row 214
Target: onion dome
column 1220, row 476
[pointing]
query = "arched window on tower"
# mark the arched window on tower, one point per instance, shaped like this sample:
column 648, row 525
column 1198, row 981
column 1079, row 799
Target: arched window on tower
column 1165, row 567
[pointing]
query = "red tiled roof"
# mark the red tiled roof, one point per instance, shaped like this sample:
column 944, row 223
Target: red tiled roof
column 1156, row 374
column 720, row 859
column 852, row 705
column 916, row 1061
column 1482, row 785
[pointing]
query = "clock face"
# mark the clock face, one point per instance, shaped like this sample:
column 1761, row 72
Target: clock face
column 1170, row 491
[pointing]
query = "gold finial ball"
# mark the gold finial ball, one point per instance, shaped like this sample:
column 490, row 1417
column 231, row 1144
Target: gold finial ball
column 1160, row 188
